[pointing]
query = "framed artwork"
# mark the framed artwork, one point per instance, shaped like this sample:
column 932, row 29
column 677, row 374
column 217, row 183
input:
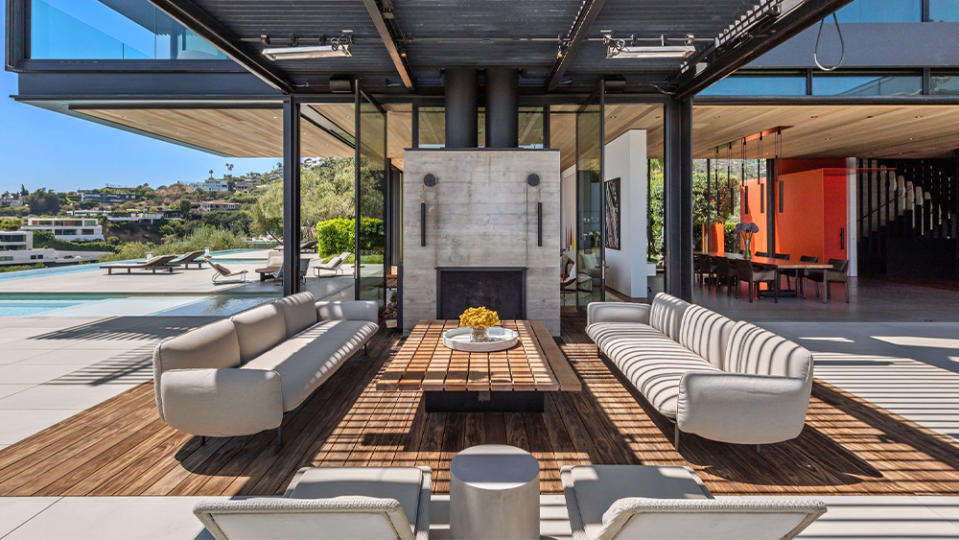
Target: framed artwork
column 611, row 191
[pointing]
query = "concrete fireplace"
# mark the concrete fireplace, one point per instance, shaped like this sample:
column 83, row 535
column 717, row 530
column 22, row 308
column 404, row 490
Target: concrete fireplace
column 481, row 226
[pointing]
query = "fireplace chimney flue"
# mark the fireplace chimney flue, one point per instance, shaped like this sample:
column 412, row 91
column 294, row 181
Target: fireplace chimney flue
column 502, row 110
column 460, row 88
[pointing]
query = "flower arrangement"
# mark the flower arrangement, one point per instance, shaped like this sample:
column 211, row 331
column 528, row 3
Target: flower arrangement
column 479, row 319
column 747, row 230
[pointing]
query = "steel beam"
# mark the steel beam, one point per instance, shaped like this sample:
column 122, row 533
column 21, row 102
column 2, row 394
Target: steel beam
column 796, row 16
column 577, row 33
column 291, row 196
column 389, row 41
column 213, row 30
column 678, row 174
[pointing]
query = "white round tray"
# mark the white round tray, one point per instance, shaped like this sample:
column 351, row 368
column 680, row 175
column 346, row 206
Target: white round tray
column 500, row 339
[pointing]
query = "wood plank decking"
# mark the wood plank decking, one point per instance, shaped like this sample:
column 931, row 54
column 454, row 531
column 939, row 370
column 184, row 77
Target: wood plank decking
column 121, row 447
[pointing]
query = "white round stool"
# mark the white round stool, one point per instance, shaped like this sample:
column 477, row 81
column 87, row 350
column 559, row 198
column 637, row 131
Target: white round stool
column 494, row 493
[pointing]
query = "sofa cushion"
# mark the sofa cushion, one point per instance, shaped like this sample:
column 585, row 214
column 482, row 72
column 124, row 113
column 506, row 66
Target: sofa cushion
column 666, row 314
column 308, row 359
column 400, row 483
column 259, row 330
column 706, row 333
column 756, row 351
column 299, row 311
column 653, row 363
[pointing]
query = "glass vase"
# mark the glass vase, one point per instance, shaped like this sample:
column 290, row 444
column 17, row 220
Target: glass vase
column 480, row 334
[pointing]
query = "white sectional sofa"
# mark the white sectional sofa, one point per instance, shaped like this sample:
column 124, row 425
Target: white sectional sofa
column 723, row 380
column 239, row 375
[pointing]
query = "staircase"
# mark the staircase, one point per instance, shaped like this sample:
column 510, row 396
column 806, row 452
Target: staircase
column 907, row 221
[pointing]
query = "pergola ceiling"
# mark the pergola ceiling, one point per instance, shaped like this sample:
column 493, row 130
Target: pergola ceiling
column 866, row 131
column 434, row 35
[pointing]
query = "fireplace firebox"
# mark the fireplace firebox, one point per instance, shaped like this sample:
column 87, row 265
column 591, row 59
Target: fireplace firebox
column 502, row 289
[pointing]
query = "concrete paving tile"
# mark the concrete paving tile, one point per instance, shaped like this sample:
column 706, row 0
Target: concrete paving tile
column 15, row 511
column 131, row 518
column 76, row 397
column 10, row 389
column 74, row 357
column 16, row 425
column 12, row 355
column 29, row 373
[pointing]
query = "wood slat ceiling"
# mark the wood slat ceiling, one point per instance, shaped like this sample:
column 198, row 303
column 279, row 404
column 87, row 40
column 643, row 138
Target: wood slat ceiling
column 867, row 131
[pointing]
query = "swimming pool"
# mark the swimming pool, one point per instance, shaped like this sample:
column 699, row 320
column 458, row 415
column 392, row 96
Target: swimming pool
column 23, row 308
column 90, row 267
column 119, row 305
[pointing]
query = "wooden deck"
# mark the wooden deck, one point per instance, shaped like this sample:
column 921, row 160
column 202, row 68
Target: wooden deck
column 121, row 447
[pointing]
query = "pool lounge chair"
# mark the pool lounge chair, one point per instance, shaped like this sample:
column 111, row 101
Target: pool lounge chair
column 335, row 264
column 221, row 273
column 622, row 502
column 187, row 259
column 274, row 263
column 153, row 264
column 308, row 246
column 331, row 502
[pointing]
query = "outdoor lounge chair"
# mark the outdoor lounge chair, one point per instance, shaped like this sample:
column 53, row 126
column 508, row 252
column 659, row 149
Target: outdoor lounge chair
column 221, row 273
column 335, row 264
column 153, row 264
column 308, row 246
column 331, row 503
column 187, row 259
column 608, row 502
column 274, row 263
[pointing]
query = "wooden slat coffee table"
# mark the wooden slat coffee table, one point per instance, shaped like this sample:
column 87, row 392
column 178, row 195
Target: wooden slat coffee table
column 510, row 380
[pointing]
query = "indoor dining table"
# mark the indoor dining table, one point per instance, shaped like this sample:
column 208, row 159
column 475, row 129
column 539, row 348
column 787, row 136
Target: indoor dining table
column 781, row 265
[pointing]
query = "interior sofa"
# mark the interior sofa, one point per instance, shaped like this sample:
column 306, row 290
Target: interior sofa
column 239, row 375
column 723, row 380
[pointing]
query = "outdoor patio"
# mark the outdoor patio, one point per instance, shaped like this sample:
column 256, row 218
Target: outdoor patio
column 121, row 447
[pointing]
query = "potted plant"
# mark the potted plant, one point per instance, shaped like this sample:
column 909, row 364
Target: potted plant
column 747, row 230
column 479, row 319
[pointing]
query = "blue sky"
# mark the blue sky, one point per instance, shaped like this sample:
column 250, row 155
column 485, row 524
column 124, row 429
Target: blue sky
column 41, row 148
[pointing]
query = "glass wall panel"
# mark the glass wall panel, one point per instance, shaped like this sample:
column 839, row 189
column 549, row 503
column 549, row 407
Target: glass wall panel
column 874, row 11
column 944, row 10
column 371, row 213
column 589, row 251
column 867, row 85
column 111, row 30
column 531, row 127
column 944, row 84
column 758, row 86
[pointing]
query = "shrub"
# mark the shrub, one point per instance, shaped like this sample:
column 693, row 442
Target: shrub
column 200, row 238
column 19, row 267
column 334, row 236
column 45, row 239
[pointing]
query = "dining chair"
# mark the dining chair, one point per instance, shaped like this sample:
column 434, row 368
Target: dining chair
column 753, row 276
column 800, row 282
column 837, row 274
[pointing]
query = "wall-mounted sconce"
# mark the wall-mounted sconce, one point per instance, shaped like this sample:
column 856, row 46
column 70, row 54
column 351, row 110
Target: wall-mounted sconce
column 533, row 180
column 429, row 180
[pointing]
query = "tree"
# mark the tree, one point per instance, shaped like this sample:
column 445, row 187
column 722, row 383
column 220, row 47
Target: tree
column 185, row 207
column 43, row 202
column 23, row 191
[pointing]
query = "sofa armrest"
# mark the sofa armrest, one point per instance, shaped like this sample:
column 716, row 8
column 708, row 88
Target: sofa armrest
column 617, row 312
column 743, row 409
column 223, row 402
column 353, row 310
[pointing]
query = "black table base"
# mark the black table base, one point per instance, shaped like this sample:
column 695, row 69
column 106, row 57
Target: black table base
column 505, row 401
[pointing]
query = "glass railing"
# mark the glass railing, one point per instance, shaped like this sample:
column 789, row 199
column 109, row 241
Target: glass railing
column 111, row 30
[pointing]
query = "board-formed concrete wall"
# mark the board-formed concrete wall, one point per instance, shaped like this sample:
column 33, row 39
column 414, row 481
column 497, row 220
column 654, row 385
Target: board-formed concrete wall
column 481, row 213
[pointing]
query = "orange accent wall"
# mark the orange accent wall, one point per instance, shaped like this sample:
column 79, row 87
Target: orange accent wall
column 717, row 239
column 751, row 190
column 813, row 216
column 788, row 166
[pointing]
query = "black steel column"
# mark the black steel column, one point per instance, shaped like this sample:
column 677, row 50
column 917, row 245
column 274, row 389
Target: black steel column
column 460, row 88
column 291, row 196
column 502, row 108
column 678, row 174
column 772, row 187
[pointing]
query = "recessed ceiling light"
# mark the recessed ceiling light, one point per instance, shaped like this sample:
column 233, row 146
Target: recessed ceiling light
column 870, row 116
column 814, row 116
column 828, row 139
column 912, row 138
column 918, row 116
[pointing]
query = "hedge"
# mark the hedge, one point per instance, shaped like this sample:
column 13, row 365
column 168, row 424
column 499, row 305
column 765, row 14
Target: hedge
column 334, row 236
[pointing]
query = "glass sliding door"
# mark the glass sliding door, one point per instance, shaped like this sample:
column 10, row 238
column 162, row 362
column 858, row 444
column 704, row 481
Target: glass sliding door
column 589, row 202
column 371, row 177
